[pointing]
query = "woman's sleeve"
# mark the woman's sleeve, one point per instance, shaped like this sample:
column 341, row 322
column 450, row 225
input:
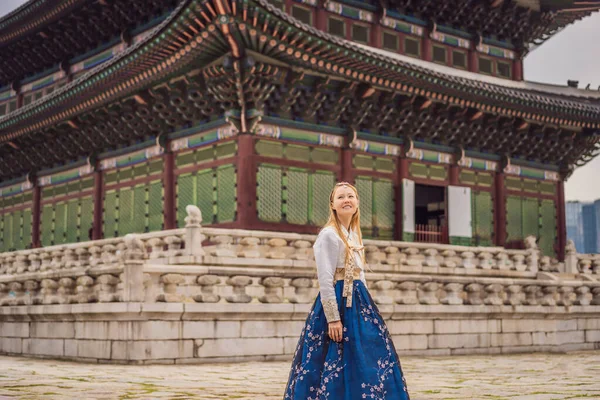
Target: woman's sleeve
column 326, row 255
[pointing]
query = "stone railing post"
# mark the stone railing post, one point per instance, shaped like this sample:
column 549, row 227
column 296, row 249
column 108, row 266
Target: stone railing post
column 133, row 271
column 571, row 258
column 533, row 254
column 193, row 232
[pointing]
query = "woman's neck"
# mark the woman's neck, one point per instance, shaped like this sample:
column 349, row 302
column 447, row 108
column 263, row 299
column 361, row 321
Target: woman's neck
column 345, row 221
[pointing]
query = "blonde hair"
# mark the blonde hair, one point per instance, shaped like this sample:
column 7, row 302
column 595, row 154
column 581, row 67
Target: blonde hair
column 334, row 220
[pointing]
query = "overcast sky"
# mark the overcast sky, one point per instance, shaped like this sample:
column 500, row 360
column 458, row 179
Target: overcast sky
column 574, row 53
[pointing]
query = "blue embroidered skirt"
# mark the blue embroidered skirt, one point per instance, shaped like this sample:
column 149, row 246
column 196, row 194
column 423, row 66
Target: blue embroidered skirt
column 364, row 365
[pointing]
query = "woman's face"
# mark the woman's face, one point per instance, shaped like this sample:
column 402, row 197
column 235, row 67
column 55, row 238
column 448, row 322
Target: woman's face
column 345, row 202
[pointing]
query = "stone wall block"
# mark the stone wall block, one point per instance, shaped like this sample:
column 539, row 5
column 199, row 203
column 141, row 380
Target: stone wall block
column 199, row 329
column 208, row 284
column 410, row 342
column 239, row 283
column 303, row 292
column 592, row 336
column 410, row 327
column 453, row 294
column 44, row 347
column 261, row 329
column 273, row 290
column 14, row 329
column 152, row 349
column 58, row 330
column 11, row 345
column 568, row 337
column 457, row 341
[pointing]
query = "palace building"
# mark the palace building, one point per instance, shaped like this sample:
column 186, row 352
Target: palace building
column 115, row 115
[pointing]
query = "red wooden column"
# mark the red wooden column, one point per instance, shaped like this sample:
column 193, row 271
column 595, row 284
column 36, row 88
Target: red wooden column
column 402, row 167
column 453, row 173
column 376, row 34
column 98, row 195
column 36, row 214
column 347, row 173
column 500, row 210
column 518, row 69
column 321, row 17
column 246, row 182
column 169, row 190
column 426, row 49
column 561, row 218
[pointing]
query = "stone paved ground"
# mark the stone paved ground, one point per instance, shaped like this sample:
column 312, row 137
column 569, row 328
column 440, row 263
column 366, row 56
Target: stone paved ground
column 528, row 376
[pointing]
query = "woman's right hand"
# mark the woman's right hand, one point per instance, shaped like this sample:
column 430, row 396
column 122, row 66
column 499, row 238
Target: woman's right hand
column 335, row 331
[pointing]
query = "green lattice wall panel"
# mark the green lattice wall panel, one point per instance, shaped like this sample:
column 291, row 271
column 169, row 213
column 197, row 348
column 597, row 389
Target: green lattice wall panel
column 134, row 209
column 548, row 228
column 269, row 193
column 226, row 194
column 155, row 206
column 111, row 214
column 514, row 218
column 377, row 209
column 384, row 207
column 206, row 196
column 186, row 195
column 67, row 221
column 482, row 210
column 297, row 196
column 212, row 190
column 531, row 217
column 15, row 230
column 60, row 223
column 321, row 185
column 365, row 196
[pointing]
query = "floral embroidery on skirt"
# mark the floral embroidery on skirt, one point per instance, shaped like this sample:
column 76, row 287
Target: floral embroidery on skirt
column 363, row 366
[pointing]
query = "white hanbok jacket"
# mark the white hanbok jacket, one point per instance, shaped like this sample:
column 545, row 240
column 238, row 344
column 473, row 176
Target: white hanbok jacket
column 330, row 254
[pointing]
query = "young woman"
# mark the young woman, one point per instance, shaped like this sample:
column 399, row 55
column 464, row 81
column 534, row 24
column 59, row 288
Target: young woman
column 345, row 351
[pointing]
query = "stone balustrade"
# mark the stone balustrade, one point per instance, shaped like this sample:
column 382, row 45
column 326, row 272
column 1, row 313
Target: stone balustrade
column 206, row 294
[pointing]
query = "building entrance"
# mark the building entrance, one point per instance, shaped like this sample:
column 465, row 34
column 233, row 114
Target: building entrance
column 430, row 214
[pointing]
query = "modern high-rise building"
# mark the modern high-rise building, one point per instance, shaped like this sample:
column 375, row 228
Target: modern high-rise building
column 574, row 218
column 583, row 225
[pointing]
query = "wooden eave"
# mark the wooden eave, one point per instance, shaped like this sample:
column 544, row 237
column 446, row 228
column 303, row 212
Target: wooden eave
column 198, row 33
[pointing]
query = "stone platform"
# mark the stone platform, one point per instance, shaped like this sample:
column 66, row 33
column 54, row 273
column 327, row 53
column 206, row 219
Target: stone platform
column 539, row 376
